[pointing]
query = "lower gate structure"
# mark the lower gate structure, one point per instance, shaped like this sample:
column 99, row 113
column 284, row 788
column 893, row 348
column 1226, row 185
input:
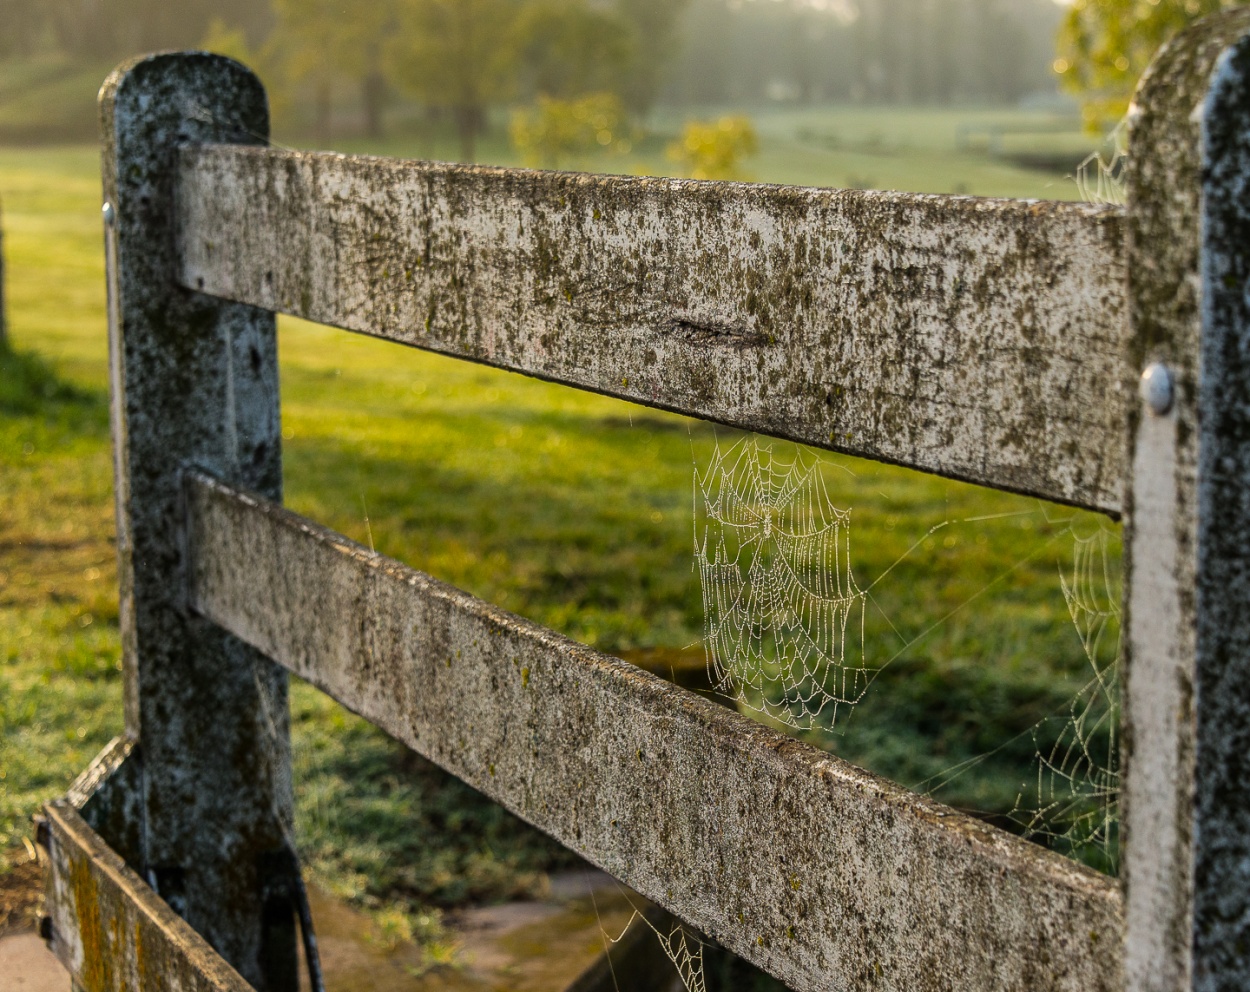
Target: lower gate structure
column 1097, row 356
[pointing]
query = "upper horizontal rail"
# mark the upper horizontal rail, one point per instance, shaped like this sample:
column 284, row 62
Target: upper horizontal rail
column 976, row 339
column 823, row 874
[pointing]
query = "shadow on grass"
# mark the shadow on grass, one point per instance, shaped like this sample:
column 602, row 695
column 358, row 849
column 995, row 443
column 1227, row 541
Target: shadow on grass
column 29, row 387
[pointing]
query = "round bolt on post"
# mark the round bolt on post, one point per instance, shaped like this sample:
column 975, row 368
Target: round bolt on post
column 110, row 213
column 1156, row 388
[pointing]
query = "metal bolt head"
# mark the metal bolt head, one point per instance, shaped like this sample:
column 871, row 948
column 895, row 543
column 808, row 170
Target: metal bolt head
column 110, row 213
column 1156, row 388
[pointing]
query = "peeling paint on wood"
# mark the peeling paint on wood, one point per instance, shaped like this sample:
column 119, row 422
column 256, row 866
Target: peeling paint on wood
column 194, row 382
column 1186, row 864
column 824, row 875
column 112, row 933
column 977, row 339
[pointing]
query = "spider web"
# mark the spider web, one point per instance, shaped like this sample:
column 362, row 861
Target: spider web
column 1074, row 804
column 682, row 947
column 780, row 601
column 1100, row 177
column 784, row 631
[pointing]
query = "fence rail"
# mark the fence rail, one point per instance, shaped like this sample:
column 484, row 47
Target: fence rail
column 114, row 931
column 787, row 855
column 971, row 338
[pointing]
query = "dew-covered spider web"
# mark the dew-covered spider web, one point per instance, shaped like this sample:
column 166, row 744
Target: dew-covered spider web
column 844, row 644
column 682, row 947
column 783, row 616
column 1075, row 801
column 1100, row 177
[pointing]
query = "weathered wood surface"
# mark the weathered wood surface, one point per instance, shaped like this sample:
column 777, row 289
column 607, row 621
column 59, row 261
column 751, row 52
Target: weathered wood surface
column 193, row 380
column 977, row 339
column 1186, row 818
column 110, row 930
column 826, row 876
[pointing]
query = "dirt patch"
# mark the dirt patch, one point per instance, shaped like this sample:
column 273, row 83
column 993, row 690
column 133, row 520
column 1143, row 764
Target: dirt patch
column 21, row 893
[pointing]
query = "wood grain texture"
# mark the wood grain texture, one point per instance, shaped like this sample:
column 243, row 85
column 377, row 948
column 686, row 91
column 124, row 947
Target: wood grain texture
column 976, row 339
column 823, row 874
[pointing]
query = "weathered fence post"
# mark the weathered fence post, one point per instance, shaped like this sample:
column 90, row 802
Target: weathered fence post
column 194, row 383
column 1187, row 720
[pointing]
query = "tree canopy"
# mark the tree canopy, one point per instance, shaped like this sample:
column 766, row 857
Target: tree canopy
column 1106, row 45
column 456, row 54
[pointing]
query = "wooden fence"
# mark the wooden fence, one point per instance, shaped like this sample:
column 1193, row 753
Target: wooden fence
column 1096, row 356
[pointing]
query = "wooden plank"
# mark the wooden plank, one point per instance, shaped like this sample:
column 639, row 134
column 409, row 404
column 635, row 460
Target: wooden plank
column 110, row 930
column 824, row 875
column 1186, row 823
column 977, row 339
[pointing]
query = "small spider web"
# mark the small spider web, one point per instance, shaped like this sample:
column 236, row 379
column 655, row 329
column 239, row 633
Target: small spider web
column 780, row 602
column 1074, row 803
column 1100, row 177
column 682, row 947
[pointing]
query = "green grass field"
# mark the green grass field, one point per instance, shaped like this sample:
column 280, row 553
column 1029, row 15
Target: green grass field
column 571, row 509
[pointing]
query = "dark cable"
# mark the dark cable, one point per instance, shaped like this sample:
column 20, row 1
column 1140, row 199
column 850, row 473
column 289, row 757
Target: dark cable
column 311, row 956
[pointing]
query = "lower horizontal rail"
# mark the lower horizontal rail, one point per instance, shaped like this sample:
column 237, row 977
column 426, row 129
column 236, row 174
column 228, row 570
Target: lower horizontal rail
column 110, row 930
column 820, row 873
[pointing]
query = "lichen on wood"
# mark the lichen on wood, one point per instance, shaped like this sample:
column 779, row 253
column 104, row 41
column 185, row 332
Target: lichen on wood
column 108, row 928
column 821, row 873
column 978, row 339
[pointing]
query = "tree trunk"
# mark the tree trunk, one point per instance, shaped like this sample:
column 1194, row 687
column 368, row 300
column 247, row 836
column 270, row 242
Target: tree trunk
column 373, row 94
column 467, row 124
column 323, row 108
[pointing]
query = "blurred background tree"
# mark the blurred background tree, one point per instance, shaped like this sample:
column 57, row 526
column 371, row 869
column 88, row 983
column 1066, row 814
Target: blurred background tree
column 321, row 43
column 552, row 133
column 1106, row 45
column 656, row 24
column 568, row 48
column 457, row 54
column 109, row 30
column 715, row 149
column 352, row 65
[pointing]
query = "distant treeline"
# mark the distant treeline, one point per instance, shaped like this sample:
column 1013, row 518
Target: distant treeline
column 461, row 57
column 875, row 51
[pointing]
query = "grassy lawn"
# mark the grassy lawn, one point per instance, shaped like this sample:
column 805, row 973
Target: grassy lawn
column 571, row 509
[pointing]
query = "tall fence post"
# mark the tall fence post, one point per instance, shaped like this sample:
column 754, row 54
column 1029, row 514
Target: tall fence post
column 194, row 383
column 1187, row 720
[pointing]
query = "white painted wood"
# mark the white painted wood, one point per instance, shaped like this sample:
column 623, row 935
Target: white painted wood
column 1158, row 695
